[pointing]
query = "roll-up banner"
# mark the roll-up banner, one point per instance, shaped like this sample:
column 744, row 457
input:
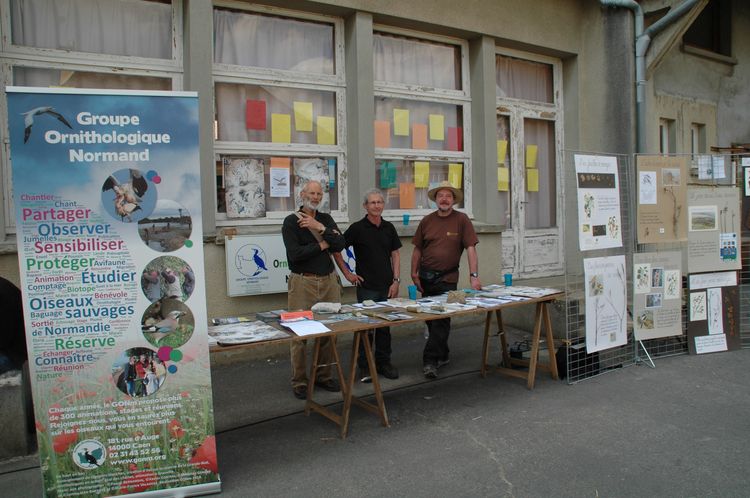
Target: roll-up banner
column 106, row 188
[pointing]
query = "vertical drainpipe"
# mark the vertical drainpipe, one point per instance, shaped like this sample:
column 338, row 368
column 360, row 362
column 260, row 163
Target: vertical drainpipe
column 642, row 43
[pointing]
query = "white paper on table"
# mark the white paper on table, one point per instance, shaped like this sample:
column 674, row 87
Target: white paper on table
column 363, row 306
column 306, row 327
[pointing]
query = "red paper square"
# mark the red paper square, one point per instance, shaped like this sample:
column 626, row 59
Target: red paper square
column 255, row 115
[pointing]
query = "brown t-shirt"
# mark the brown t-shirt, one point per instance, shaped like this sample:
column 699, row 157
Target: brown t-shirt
column 443, row 240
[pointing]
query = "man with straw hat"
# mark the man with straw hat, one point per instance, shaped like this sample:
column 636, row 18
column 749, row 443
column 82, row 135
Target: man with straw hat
column 439, row 241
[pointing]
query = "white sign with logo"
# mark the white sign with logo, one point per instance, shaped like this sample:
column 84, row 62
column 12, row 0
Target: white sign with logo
column 257, row 264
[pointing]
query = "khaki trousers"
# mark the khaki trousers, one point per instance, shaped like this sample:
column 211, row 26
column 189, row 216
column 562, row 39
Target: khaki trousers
column 304, row 292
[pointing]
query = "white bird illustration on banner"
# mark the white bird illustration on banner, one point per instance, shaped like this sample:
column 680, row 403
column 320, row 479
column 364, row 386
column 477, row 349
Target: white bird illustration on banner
column 28, row 119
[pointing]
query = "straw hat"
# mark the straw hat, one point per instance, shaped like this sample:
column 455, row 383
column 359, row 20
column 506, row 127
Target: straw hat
column 458, row 196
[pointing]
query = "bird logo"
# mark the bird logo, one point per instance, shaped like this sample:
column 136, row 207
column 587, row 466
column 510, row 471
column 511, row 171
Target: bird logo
column 28, row 119
column 89, row 454
column 250, row 260
column 128, row 195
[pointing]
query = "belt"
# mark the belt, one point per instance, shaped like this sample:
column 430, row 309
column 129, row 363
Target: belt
column 306, row 274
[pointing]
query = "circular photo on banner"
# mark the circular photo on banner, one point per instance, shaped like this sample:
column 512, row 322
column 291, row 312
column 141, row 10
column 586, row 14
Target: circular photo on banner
column 168, row 322
column 167, row 227
column 167, row 277
column 127, row 196
column 139, row 372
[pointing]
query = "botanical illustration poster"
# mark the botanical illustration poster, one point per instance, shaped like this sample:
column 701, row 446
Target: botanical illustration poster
column 606, row 302
column 108, row 210
column 245, row 187
column 657, row 294
column 714, row 227
column 662, row 193
column 599, row 221
column 713, row 312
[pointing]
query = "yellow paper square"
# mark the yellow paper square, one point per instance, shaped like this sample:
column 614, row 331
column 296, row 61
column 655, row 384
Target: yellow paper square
column 455, row 173
column 437, row 127
column 326, row 130
column 503, row 179
column 303, row 113
column 401, row 122
column 531, row 151
column 281, row 128
column 421, row 174
column 532, row 180
column 502, row 150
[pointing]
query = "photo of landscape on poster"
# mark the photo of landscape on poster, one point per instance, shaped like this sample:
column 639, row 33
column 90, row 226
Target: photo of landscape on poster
column 106, row 192
column 605, row 286
column 657, row 294
column 713, row 312
column 661, row 197
column 714, row 229
column 599, row 220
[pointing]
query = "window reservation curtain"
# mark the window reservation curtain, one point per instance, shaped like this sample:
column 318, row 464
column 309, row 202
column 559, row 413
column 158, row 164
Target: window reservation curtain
column 521, row 79
column 126, row 27
column 541, row 208
column 414, row 62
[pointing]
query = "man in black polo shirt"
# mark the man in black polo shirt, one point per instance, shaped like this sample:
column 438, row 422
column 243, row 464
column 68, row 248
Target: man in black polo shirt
column 376, row 246
column 310, row 237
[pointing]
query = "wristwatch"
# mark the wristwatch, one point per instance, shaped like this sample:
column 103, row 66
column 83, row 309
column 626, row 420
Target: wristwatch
column 396, row 279
column 474, row 274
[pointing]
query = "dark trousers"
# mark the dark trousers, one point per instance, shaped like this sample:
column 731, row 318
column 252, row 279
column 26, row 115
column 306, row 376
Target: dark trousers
column 436, row 348
column 382, row 335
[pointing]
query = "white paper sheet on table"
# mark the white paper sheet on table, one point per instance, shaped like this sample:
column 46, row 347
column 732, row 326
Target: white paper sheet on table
column 306, row 327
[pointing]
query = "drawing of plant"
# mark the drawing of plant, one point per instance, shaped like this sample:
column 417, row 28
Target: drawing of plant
column 612, row 227
column 588, row 205
column 698, row 305
column 641, row 276
column 596, row 285
column 671, row 289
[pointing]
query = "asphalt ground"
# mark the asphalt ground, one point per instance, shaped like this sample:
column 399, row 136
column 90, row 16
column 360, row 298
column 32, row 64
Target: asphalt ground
column 680, row 429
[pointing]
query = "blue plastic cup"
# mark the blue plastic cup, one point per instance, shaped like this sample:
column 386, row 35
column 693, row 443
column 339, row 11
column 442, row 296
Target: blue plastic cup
column 412, row 289
column 406, row 219
column 508, row 279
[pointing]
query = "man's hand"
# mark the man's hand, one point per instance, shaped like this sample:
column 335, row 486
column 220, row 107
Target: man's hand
column 323, row 245
column 393, row 290
column 417, row 282
column 353, row 278
column 307, row 221
column 475, row 283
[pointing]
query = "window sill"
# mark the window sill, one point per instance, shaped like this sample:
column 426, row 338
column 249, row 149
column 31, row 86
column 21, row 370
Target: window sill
column 707, row 54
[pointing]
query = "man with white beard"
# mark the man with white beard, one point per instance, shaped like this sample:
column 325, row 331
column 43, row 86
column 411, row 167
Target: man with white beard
column 310, row 237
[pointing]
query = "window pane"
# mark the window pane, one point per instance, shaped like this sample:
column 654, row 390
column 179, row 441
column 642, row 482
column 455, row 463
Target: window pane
column 504, row 176
column 405, row 183
column 414, row 124
column 398, row 59
column 244, row 187
column 248, row 39
column 522, row 79
column 27, row 76
column 540, row 173
column 251, row 113
column 134, row 28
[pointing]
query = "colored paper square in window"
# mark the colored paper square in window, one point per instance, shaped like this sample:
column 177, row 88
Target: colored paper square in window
column 502, row 151
column 280, row 162
column 281, row 128
column 406, row 198
column 503, row 179
column 303, row 114
column 532, row 180
column 421, row 174
column 387, row 175
column 382, row 134
column 455, row 174
column 531, row 151
column 418, row 136
column 326, row 130
column 255, row 114
column 455, row 138
column 437, row 127
column 401, row 122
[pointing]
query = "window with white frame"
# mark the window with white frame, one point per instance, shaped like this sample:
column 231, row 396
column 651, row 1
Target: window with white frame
column 108, row 44
column 279, row 93
column 421, row 111
column 528, row 126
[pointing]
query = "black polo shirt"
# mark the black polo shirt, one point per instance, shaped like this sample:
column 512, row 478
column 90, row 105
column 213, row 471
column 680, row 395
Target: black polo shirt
column 372, row 249
column 302, row 248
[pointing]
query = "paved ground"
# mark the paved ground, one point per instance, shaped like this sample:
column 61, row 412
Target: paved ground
column 679, row 430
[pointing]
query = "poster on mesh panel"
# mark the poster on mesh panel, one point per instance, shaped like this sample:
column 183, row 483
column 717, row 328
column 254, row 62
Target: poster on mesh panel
column 714, row 229
column 662, row 193
column 108, row 211
column 599, row 220
column 606, row 302
column 713, row 312
column 657, row 294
